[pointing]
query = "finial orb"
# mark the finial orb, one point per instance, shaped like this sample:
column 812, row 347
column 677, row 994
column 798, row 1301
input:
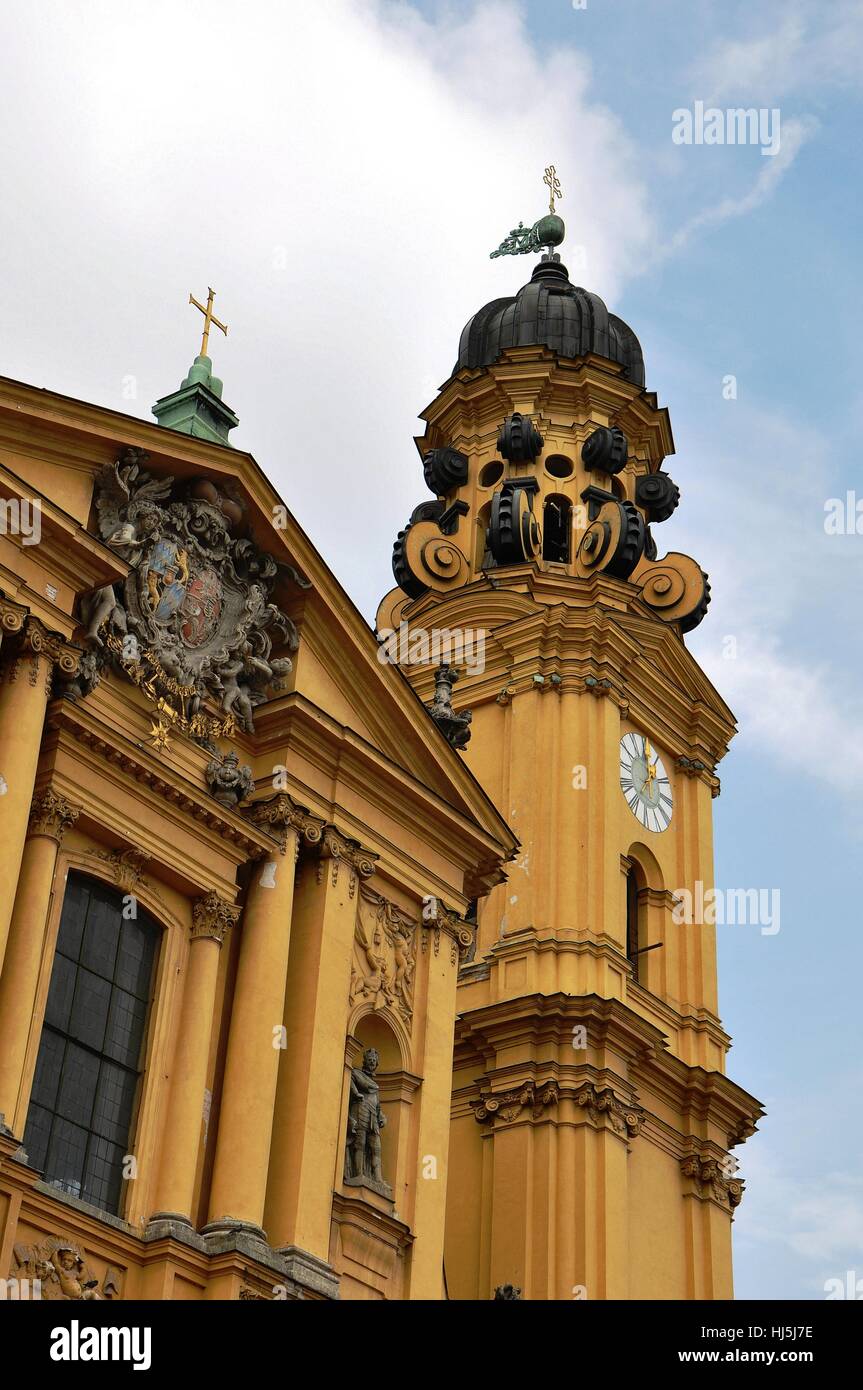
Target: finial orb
column 550, row 230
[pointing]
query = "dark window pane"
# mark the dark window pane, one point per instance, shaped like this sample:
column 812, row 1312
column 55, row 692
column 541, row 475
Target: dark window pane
column 102, row 933
column 103, row 1174
column 64, row 1166
column 48, row 1065
column 135, row 958
column 77, row 1089
column 37, row 1134
column 126, row 1020
column 75, row 903
column 113, row 1109
column 60, row 994
column 78, row 1125
column 90, row 1009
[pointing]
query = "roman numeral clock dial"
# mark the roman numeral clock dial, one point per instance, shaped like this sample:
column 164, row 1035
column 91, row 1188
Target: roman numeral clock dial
column 644, row 782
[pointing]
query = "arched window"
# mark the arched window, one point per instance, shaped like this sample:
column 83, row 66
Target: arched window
column 634, row 923
column 556, row 528
column 89, row 1062
column 483, row 557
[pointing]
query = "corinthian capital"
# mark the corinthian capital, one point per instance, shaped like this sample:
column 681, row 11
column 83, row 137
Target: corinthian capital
column 279, row 814
column 212, row 917
column 51, row 814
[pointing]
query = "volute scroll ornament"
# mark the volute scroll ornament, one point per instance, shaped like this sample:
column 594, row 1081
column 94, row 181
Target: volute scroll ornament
column 614, row 541
column 605, row 450
column 519, row 441
column 444, row 470
column 675, row 588
column 603, row 1105
column 658, row 495
column 714, row 1178
column 514, row 533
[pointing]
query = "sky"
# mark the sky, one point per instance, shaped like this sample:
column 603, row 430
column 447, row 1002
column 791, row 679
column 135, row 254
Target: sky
column 339, row 172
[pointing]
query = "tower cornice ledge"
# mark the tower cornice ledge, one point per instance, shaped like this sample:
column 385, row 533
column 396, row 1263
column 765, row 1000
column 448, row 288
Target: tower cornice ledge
column 538, row 1023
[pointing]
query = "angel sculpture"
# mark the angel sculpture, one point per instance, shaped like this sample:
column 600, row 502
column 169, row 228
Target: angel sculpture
column 129, row 518
column 237, row 698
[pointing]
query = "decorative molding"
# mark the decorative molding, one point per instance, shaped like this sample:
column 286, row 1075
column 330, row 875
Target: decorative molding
column 278, row 814
column 600, row 1104
column 508, row 1105
column 709, row 1182
column 339, row 849
column 604, row 1107
column 212, row 918
column 125, row 866
column 440, row 921
column 13, row 616
column 51, row 814
column 32, row 638
column 200, row 806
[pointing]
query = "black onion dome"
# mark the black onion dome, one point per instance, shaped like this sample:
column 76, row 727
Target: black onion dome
column 550, row 312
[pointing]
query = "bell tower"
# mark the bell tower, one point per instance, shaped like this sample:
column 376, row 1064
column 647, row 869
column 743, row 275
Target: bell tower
column 592, row 1118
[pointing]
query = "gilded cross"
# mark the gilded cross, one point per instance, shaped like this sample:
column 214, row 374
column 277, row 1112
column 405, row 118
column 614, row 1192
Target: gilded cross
column 209, row 318
column 553, row 182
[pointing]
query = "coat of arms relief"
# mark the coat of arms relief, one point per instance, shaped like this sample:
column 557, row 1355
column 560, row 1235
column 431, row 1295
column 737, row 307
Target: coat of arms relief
column 194, row 620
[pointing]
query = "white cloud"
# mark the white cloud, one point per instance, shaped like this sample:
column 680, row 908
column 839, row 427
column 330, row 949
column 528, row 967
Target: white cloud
column 339, row 172
column 809, row 47
column 818, row 1218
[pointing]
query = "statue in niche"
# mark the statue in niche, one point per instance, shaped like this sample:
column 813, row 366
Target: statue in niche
column 366, row 1119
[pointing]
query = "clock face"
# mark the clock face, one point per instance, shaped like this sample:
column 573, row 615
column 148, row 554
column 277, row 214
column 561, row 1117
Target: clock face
column 644, row 782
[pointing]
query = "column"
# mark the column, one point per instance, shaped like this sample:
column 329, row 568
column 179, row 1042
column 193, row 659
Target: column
column 444, row 941
column 175, row 1186
column 307, row 1142
column 26, row 684
column 239, row 1184
column 50, row 817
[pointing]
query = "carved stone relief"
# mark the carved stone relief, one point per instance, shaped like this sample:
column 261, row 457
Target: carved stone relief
column 385, row 940
column 63, row 1274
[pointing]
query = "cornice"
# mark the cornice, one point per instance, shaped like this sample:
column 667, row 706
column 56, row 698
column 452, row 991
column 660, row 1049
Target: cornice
column 343, row 755
column 180, row 798
column 535, row 1022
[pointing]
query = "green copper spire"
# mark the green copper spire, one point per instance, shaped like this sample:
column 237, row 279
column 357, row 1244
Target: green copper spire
column 197, row 408
column 548, row 232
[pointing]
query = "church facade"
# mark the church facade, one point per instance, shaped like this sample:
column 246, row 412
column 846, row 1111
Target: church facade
column 324, row 976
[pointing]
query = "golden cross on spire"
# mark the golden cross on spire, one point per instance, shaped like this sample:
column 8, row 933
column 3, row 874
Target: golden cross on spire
column 550, row 178
column 209, row 318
